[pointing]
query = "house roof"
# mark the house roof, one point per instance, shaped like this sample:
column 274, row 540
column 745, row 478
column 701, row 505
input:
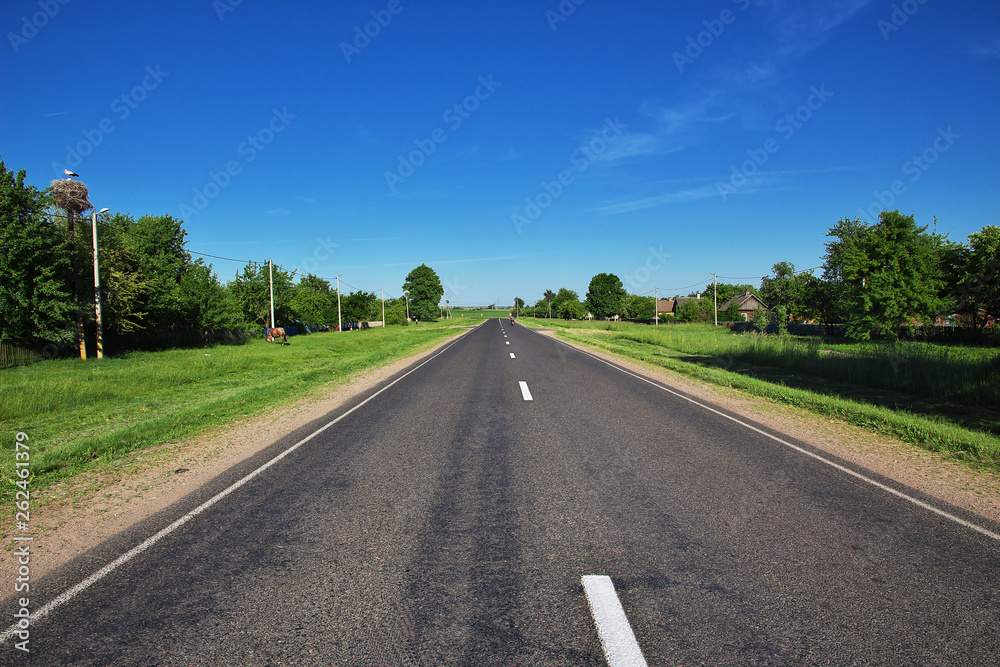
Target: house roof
column 744, row 302
column 664, row 305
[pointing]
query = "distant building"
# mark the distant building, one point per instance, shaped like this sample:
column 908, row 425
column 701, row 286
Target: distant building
column 746, row 303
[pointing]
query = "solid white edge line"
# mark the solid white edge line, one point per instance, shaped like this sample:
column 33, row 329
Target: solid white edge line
column 620, row 646
column 899, row 494
column 71, row 593
column 524, row 390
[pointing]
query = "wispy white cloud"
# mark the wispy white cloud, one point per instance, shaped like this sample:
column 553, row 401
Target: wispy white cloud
column 688, row 190
column 676, row 196
column 801, row 26
column 988, row 51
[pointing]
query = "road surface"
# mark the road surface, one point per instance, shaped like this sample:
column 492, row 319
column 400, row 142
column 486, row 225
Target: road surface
column 448, row 517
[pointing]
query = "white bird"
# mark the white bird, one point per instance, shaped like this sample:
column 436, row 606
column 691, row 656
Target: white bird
column 69, row 173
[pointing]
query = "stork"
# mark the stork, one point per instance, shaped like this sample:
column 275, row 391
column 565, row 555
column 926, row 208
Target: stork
column 71, row 174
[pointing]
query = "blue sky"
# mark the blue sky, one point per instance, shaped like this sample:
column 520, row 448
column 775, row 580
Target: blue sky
column 513, row 146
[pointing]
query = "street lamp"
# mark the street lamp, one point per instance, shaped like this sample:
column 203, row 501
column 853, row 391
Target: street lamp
column 97, row 288
column 340, row 328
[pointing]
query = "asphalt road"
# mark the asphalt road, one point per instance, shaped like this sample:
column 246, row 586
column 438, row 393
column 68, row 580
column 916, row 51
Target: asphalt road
column 448, row 521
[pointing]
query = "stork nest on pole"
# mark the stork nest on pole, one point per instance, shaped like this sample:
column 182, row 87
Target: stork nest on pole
column 71, row 195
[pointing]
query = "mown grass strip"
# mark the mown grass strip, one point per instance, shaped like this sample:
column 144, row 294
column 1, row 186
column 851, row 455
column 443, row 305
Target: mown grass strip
column 82, row 414
column 979, row 448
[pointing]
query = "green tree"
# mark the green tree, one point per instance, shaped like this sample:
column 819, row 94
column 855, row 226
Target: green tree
column 895, row 272
column 122, row 282
column 691, row 311
column 728, row 291
column 832, row 300
column 314, row 301
column 571, row 309
column 606, row 295
column 561, row 297
column 639, row 307
column 425, row 291
column 251, row 295
column 35, row 272
column 784, row 289
column 204, row 302
column 731, row 314
column 977, row 289
column 549, row 295
column 361, row 306
column 156, row 246
column 395, row 311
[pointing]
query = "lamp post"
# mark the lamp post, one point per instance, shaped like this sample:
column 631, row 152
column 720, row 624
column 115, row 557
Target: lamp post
column 270, row 283
column 715, row 284
column 97, row 288
column 340, row 328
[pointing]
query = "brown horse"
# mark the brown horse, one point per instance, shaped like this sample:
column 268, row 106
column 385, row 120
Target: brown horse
column 277, row 332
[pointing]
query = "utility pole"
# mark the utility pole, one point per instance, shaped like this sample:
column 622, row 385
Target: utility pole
column 715, row 288
column 340, row 327
column 97, row 290
column 383, row 308
column 270, row 280
column 656, row 306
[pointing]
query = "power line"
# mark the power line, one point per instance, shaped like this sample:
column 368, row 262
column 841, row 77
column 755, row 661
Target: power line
column 228, row 259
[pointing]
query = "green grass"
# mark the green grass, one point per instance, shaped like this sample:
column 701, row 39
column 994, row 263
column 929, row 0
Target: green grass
column 938, row 397
column 464, row 314
column 80, row 414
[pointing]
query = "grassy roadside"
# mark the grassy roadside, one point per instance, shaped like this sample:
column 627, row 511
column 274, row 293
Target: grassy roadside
column 718, row 365
column 81, row 414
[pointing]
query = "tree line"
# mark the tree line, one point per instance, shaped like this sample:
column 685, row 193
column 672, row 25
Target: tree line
column 875, row 279
column 150, row 283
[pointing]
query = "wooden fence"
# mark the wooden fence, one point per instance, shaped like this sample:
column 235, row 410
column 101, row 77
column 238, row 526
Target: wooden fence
column 13, row 353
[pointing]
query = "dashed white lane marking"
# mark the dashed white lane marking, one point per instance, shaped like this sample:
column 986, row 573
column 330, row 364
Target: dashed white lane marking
column 833, row 464
column 524, row 391
column 620, row 647
column 71, row 593
column 512, row 356
column 507, row 342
